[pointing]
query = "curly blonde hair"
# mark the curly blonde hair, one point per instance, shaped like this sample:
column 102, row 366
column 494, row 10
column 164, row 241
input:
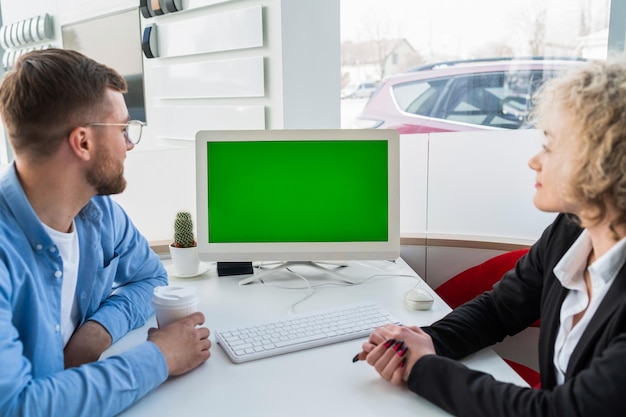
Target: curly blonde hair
column 594, row 98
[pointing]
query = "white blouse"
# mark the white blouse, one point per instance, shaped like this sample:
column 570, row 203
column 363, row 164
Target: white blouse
column 570, row 272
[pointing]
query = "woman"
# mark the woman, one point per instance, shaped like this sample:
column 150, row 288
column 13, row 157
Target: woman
column 573, row 278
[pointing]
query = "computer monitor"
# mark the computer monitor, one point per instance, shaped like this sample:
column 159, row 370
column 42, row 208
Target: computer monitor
column 298, row 195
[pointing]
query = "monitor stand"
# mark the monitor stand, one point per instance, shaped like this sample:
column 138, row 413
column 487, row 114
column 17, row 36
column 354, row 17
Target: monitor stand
column 289, row 264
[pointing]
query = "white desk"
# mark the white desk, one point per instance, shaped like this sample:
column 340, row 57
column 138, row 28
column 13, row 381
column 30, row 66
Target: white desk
column 316, row 382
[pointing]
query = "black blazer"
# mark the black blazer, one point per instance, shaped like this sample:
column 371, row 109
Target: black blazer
column 595, row 381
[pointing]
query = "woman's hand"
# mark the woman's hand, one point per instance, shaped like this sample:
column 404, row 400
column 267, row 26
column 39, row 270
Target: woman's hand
column 393, row 350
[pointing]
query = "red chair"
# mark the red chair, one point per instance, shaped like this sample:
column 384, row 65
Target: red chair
column 480, row 278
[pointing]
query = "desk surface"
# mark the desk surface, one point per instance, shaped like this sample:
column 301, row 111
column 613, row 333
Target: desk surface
column 316, row 382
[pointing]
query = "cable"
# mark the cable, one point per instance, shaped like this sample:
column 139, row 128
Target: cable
column 311, row 288
column 307, row 296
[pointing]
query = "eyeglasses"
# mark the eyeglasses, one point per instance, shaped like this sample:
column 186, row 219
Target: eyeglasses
column 132, row 132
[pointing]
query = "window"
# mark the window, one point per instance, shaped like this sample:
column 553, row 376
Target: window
column 395, row 37
column 474, row 100
column 419, row 97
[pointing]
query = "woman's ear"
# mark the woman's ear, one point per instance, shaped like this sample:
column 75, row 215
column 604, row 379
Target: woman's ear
column 80, row 141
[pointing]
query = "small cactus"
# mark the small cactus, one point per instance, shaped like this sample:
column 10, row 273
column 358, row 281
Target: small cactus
column 183, row 230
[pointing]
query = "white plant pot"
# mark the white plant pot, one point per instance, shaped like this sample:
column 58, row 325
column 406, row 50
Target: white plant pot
column 185, row 260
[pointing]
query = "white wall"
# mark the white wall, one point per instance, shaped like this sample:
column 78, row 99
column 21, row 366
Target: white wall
column 473, row 186
column 160, row 183
column 480, row 185
column 470, row 185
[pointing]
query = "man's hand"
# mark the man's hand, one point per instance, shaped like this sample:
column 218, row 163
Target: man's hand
column 183, row 345
column 86, row 344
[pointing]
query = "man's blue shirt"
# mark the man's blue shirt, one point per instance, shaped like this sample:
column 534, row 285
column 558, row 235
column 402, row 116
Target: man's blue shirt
column 116, row 275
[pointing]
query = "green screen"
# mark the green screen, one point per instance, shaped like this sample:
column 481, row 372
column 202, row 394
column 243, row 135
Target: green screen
column 297, row 191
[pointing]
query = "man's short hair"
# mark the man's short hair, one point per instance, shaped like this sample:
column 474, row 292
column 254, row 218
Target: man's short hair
column 50, row 92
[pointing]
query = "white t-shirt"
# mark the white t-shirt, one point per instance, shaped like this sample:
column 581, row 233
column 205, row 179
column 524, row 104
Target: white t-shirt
column 67, row 244
column 570, row 271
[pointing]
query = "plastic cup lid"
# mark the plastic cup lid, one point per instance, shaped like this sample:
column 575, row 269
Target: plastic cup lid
column 172, row 295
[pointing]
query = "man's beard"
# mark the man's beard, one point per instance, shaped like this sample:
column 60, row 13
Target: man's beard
column 106, row 176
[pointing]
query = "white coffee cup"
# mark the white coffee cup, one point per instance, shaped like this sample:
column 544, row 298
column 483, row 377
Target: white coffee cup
column 172, row 303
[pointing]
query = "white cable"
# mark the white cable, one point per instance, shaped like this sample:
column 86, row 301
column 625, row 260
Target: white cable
column 311, row 288
column 308, row 295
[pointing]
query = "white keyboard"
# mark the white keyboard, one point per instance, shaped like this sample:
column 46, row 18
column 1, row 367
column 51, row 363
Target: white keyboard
column 301, row 331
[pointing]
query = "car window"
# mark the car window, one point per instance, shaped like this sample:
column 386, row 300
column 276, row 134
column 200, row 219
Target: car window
column 474, row 99
column 498, row 99
column 419, row 97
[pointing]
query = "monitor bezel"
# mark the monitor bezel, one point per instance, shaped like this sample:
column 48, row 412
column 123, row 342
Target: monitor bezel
column 310, row 251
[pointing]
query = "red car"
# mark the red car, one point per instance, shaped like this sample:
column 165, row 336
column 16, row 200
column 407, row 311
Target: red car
column 461, row 95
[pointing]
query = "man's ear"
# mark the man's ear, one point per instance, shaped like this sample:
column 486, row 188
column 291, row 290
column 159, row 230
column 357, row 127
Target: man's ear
column 81, row 142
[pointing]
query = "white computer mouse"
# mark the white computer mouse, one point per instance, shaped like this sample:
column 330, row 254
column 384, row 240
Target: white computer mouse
column 418, row 299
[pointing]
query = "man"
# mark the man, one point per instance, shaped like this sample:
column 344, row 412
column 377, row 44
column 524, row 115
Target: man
column 75, row 274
